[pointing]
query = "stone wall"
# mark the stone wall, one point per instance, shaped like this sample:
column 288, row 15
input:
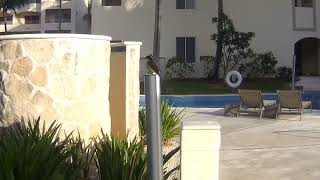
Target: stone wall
column 59, row 77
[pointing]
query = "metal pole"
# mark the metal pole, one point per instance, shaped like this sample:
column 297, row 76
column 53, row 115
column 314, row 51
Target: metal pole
column 293, row 72
column 154, row 143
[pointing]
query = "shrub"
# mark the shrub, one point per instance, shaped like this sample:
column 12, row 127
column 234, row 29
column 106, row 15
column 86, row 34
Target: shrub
column 28, row 151
column 260, row 66
column 119, row 159
column 171, row 119
column 284, row 73
column 178, row 68
column 236, row 45
column 207, row 62
column 82, row 156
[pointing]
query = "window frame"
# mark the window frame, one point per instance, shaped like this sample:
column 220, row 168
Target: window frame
column 111, row 3
column 299, row 3
column 295, row 28
column 32, row 20
column 185, row 49
column 55, row 13
column 9, row 21
column 185, row 4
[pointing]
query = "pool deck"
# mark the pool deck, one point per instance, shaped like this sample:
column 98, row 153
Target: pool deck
column 266, row 149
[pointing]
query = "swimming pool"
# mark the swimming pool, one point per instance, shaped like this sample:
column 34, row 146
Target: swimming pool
column 218, row 101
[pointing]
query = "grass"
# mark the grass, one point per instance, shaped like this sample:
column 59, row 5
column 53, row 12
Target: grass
column 202, row 86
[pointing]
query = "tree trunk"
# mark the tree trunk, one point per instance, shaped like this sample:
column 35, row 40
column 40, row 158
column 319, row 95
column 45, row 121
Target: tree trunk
column 60, row 15
column 214, row 73
column 5, row 21
column 156, row 36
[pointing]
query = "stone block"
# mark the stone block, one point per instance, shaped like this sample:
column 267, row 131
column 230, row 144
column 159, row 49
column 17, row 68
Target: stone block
column 22, row 67
column 8, row 49
column 40, row 50
column 19, row 90
column 39, row 76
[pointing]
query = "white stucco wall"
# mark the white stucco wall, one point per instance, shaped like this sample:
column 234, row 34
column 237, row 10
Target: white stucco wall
column 272, row 22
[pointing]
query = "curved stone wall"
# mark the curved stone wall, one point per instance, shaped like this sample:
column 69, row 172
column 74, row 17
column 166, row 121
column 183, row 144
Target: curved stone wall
column 58, row 77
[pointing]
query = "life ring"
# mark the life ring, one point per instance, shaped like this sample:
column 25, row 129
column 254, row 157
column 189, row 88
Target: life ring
column 229, row 79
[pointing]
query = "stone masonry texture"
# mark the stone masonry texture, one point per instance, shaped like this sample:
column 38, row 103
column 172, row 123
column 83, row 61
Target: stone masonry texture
column 66, row 80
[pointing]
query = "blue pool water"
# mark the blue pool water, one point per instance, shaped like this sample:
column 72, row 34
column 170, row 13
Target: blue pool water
column 218, row 101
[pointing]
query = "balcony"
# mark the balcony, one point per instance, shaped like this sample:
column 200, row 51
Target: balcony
column 21, row 28
column 31, row 7
column 54, row 4
column 304, row 18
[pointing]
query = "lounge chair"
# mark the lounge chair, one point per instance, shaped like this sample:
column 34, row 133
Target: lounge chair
column 291, row 100
column 252, row 99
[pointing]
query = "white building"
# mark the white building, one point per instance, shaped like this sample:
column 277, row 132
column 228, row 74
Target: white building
column 42, row 16
column 285, row 27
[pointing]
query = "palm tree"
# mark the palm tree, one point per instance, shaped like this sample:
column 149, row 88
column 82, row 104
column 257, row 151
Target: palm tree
column 156, row 36
column 6, row 5
column 214, row 73
column 60, row 15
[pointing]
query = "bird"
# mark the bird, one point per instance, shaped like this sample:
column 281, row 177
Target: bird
column 152, row 65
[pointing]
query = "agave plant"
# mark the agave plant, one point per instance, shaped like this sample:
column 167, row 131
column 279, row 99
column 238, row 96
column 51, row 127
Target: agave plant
column 82, row 158
column 29, row 151
column 116, row 158
column 171, row 120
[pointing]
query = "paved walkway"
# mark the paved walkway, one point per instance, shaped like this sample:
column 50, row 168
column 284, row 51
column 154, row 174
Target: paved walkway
column 253, row 149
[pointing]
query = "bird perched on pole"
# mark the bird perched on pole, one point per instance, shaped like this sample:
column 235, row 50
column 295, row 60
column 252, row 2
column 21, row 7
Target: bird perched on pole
column 152, row 65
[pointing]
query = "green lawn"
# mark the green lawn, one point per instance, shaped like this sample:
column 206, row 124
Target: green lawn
column 200, row 86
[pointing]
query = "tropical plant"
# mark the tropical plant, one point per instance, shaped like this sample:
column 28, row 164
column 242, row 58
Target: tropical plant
column 82, row 157
column 6, row 5
column 235, row 46
column 178, row 68
column 284, row 73
column 261, row 65
column 171, row 120
column 29, row 151
column 119, row 159
column 207, row 62
column 156, row 35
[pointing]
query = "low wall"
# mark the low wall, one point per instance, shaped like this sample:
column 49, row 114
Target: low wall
column 61, row 77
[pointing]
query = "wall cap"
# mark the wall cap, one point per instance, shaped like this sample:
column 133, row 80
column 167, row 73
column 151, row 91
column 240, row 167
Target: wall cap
column 200, row 125
column 53, row 36
column 125, row 43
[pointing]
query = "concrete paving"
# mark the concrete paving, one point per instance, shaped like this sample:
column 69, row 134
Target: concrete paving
column 266, row 149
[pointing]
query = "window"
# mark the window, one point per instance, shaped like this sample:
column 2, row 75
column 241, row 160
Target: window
column 8, row 19
column 186, row 48
column 66, row 15
column 32, row 19
column 34, row 1
column 303, row 3
column 58, row 31
column 52, row 15
column 185, row 4
column 111, row 2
